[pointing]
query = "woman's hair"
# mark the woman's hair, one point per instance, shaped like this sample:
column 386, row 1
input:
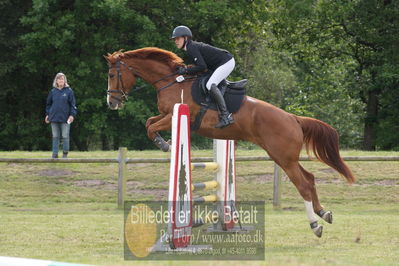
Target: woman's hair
column 57, row 76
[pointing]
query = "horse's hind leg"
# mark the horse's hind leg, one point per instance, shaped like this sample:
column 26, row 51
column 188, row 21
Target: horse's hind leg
column 318, row 208
column 304, row 187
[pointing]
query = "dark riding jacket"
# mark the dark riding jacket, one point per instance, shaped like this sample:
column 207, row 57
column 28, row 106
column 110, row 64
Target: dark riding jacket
column 60, row 105
column 205, row 56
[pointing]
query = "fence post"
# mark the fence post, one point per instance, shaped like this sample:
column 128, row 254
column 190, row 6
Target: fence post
column 121, row 176
column 277, row 187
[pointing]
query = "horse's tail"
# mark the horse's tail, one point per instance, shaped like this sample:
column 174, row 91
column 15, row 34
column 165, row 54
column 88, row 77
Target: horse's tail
column 323, row 140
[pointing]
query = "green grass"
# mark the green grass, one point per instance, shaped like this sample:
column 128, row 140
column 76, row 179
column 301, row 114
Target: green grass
column 67, row 212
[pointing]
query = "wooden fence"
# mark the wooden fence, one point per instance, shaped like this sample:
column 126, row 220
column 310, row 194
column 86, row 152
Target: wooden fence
column 122, row 161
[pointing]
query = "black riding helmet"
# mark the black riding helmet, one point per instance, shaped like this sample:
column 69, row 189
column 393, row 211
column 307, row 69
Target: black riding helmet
column 180, row 31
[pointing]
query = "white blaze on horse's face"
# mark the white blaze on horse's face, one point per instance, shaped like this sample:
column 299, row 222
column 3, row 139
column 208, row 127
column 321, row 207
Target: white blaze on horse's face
column 112, row 104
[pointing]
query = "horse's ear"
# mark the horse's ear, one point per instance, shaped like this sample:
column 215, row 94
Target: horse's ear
column 106, row 57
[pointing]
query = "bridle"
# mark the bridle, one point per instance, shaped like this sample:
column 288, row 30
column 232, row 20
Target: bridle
column 120, row 89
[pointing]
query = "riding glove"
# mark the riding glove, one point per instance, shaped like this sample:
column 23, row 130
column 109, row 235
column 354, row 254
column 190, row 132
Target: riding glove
column 182, row 70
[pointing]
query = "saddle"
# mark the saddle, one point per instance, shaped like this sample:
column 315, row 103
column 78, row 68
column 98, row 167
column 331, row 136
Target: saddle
column 233, row 93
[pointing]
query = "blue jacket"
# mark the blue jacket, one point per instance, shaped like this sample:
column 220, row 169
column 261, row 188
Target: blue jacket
column 60, row 105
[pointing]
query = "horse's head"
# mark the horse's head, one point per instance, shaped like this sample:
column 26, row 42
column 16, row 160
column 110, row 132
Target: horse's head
column 121, row 78
column 151, row 64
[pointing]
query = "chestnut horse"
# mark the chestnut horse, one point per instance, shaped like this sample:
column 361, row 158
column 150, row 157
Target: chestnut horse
column 279, row 133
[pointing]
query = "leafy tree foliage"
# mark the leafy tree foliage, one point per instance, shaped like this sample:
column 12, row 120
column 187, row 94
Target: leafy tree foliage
column 71, row 37
column 362, row 37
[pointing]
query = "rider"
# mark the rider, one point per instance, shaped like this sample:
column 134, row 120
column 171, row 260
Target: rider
column 205, row 56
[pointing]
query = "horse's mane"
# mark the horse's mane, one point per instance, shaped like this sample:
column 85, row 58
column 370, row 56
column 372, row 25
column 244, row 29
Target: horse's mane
column 152, row 53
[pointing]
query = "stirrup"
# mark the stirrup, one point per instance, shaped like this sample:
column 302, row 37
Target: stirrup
column 225, row 121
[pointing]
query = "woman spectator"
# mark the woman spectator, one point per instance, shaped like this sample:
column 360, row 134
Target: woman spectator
column 60, row 112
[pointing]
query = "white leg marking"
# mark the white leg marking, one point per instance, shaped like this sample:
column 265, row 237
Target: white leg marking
column 309, row 211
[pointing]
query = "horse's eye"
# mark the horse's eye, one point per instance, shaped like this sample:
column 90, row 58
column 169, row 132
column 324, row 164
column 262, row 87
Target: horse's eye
column 111, row 75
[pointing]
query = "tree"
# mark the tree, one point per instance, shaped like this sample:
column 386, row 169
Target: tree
column 361, row 34
column 17, row 87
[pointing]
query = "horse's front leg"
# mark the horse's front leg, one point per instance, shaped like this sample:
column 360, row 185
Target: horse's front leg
column 163, row 124
column 153, row 119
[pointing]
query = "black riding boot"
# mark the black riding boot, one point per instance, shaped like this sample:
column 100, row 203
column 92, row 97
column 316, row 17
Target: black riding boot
column 225, row 118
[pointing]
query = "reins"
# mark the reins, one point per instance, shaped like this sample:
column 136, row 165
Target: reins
column 175, row 81
column 167, row 76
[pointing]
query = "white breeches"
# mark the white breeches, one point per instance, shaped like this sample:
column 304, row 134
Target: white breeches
column 221, row 73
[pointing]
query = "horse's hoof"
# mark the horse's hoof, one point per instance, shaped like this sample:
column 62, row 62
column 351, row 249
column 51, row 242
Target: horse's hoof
column 165, row 147
column 161, row 143
column 318, row 231
column 327, row 216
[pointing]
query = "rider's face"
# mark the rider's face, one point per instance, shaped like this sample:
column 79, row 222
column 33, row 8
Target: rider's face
column 179, row 41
